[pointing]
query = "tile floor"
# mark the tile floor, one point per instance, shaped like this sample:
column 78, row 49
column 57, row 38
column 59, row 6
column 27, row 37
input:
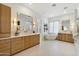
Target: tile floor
column 50, row 48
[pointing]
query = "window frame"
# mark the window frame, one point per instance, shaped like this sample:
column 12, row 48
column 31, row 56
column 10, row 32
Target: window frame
column 49, row 32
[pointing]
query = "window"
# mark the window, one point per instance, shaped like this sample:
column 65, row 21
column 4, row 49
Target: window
column 53, row 27
column 51, row 30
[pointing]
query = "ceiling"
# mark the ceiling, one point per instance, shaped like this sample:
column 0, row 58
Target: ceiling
column 47, row 10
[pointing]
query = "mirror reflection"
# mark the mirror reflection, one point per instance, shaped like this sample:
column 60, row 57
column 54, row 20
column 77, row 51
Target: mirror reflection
column 25, row 23
column 66, row 25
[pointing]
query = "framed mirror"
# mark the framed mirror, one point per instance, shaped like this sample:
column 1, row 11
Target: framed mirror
column 66, row 25
column 26, row 23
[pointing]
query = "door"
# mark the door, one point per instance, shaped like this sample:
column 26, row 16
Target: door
column 5, row 13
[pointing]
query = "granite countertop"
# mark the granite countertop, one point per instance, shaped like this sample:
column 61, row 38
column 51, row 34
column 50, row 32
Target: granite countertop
column 20, row 35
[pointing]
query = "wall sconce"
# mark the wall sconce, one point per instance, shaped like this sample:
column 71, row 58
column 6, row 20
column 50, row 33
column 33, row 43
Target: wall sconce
column 34, row 24
column 15, row 22
column 17, row 28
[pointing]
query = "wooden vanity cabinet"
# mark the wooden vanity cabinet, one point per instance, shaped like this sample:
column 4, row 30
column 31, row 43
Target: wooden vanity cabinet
column 17, row 44
column 65, row 37
column 5, row 21
column 11, row 46
column 36, row 39
column 31, row 40
column 20, row 43
column 26, row 42
column 5, row 47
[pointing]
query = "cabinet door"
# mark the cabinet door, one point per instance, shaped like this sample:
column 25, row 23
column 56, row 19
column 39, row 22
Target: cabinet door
column 5, row 47
column 17, row 44
column 59, row 36
column 63, row 37
column 31, row 40
column 70, row 38
column 26, row 42
column 5, row 20
column 36, row 39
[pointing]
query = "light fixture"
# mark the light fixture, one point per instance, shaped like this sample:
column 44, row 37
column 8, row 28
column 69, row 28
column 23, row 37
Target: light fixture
column 65, row 9
column 15, row 22
column 34, row 24
column 53, row 5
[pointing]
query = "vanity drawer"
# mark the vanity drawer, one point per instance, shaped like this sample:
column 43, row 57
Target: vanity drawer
column 5, row 47
column 17, row 44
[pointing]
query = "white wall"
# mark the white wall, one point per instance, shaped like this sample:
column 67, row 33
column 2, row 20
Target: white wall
column 40, row 21
column 60, row 18
column 15, row 8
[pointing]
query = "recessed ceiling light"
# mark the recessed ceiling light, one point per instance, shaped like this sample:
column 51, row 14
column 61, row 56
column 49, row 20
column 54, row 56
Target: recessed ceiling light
column 54, row 5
